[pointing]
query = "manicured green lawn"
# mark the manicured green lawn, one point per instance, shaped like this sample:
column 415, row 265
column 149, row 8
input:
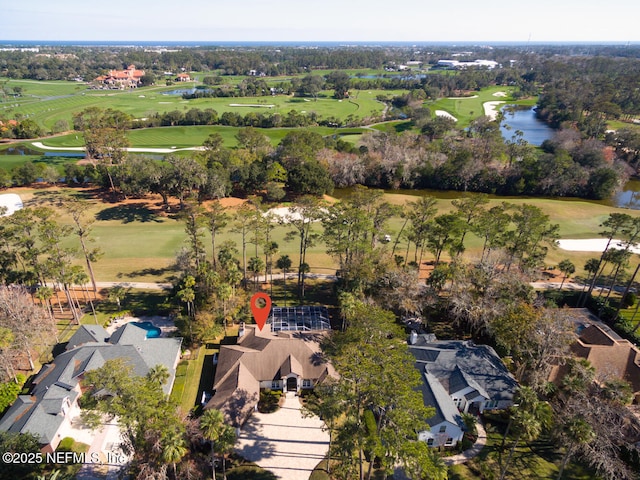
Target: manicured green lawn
column 536, row 460
column 48, row 102
column 140, row 244
column 192, row 136
column 466, row 109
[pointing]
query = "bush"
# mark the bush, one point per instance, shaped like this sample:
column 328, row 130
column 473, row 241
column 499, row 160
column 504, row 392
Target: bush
column 9, row 391
column 629, row 300
column 66, row 444
column 269, row 401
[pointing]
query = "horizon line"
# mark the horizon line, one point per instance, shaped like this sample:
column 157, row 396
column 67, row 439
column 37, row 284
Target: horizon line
column 338, row 42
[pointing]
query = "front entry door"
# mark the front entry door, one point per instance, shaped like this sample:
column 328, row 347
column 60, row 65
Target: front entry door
column 292, row 384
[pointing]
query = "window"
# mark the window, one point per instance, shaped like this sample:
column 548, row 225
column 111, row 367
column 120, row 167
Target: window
column 443, row 428
column 306, row 383
column 449, row 441
column 430, row 442
column 275, row 385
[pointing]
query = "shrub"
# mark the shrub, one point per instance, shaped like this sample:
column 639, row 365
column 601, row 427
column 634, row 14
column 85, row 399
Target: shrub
column 9, row 391
column 629, row 300
column 269, row 401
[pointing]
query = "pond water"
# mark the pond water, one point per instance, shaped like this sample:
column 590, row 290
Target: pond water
column 524, row 119
column 188, row 91
column 21, row 150
column 628, row 197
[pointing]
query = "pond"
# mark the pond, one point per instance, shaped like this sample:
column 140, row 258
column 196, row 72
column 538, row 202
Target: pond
column 534, row 130
column 628, row 197
column 188, row 91
column 22, row 150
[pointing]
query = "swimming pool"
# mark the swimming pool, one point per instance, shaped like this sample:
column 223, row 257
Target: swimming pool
column 152, row 330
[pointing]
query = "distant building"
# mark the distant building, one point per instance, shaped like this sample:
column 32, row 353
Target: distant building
column 129, row 78
column 52, row 404
column 458, row 65
column 458, row 377
column 183, row 77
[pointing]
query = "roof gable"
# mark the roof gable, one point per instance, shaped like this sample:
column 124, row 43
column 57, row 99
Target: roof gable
column 41, row 412
column 460, row 364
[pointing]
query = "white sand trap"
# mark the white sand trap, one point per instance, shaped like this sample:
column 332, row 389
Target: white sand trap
column 591, row 245
column 442, row 113
column 10, row 202
column 165, row 103
column 500, row 94
column 128, row 149
column 250, row 105
column 285, row 215
column 491, row 109
column 462, row 98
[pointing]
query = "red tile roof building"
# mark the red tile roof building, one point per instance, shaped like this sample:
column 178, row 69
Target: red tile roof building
column 129, row 78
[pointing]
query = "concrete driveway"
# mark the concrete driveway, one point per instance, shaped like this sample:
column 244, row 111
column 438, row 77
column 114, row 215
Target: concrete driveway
column 284, row 442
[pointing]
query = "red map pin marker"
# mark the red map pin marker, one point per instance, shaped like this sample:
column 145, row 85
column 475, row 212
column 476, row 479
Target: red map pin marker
column 260, row 313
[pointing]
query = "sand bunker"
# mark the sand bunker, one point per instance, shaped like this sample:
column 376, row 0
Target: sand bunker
column 285, row 215
column 591, row 245
column 462, row 98
column 491, row 109
column 500, row 94
column 442, row 113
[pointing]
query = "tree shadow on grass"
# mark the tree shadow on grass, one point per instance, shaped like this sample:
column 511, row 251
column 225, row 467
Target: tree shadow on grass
column 403, row 127
column 132, row 212
column 150, row 272
column 206, row 377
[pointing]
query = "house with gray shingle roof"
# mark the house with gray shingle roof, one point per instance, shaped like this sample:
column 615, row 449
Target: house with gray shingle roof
column 458, row 377
column 265, row 360
column 52, row 402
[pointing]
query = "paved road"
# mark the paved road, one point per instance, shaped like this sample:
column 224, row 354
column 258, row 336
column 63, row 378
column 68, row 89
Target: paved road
column 138, row 285
column 284, row 442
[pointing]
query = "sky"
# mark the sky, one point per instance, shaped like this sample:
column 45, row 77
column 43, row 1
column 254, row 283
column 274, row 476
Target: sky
column 327, row 20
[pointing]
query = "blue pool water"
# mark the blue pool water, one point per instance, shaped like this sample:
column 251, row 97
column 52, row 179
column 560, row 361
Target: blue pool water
column 152, row 330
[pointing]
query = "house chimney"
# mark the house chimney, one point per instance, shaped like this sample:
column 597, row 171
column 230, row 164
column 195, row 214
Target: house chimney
column 413, row 337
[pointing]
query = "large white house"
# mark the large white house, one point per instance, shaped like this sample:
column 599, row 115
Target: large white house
column 458, row 377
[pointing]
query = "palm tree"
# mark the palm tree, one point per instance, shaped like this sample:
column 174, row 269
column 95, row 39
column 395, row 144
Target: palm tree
column 212, row 427
column 255, row 267
column 529, row 424
column 567, row 268
column 284, row 264
column 574, row 433
column 158, row 375
column 225, row 443
column 591, row 267
column 174, row 449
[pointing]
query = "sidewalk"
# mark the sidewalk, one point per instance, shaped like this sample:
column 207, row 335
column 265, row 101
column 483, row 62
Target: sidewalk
column 473, row 451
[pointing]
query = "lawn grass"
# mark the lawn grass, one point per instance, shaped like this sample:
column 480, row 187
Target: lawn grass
column 534, row 460
column 467, row 109
column 48, row 102
column 140, row 244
